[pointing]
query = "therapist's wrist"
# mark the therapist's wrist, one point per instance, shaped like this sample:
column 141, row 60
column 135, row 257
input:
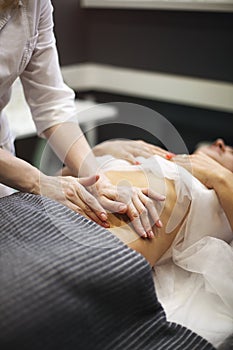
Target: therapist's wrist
column 25, row 179
column 35, row 182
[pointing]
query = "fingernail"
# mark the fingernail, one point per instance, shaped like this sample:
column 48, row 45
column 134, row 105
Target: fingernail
column 106, row 224
column 159, row 223
column 144, row 235
column 162, row 197
column 150, row 234
column 103, row 216
column 169, row 156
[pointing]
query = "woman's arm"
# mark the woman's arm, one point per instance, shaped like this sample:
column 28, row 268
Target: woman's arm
column 213, row 176
column 223, row 186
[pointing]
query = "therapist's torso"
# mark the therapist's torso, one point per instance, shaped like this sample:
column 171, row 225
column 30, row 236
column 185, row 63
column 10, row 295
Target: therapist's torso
column 18, row 33
column 28, row 51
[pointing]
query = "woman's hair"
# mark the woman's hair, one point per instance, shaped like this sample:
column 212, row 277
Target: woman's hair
column 5, row 4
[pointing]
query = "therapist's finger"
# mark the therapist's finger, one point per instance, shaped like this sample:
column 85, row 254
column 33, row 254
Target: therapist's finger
column 151, row 149
column 110, row 200
column 144, row 154
column 158, row 151
column 88, row 181
column 153, row 194
column 87, row 202
column 129, row 157
column 144, row 216
column 134, row 217
column 88, row 213
column 150, row 205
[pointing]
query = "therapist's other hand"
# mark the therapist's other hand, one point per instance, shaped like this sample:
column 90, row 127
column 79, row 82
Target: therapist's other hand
column 71, row 192
column 136, row 203
column 128, row 150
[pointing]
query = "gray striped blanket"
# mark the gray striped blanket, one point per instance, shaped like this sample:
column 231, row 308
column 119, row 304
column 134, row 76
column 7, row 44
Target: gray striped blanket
column 66, row 283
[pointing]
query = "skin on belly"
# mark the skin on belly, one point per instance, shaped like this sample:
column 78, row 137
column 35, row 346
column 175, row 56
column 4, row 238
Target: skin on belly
column 171, row 214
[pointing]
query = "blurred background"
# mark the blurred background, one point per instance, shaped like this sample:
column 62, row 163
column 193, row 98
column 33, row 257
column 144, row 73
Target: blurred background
column 176, row 61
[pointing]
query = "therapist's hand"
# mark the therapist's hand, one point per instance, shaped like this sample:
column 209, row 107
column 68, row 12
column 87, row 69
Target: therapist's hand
column 71, row 192
column 128, row 150
column 135, row 202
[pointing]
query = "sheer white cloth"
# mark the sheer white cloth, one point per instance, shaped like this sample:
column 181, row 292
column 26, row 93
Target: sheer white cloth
column 194, row 278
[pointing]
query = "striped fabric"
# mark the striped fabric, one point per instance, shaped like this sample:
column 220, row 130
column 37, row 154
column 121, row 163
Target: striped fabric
column 66, row 283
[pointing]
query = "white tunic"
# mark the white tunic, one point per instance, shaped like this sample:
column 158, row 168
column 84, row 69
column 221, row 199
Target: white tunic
column 28, row 51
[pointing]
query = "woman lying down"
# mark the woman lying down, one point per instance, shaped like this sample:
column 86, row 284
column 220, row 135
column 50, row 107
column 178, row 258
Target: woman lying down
column 192, row 254
column 65, row 282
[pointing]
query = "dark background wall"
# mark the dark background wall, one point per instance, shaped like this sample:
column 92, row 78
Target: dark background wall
column 196, row 44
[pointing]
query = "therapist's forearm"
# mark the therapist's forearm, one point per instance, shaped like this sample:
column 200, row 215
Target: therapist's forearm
column 71, row 146
column 18, row 174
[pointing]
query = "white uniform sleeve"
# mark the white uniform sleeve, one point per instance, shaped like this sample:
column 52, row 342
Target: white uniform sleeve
column 50, row 100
